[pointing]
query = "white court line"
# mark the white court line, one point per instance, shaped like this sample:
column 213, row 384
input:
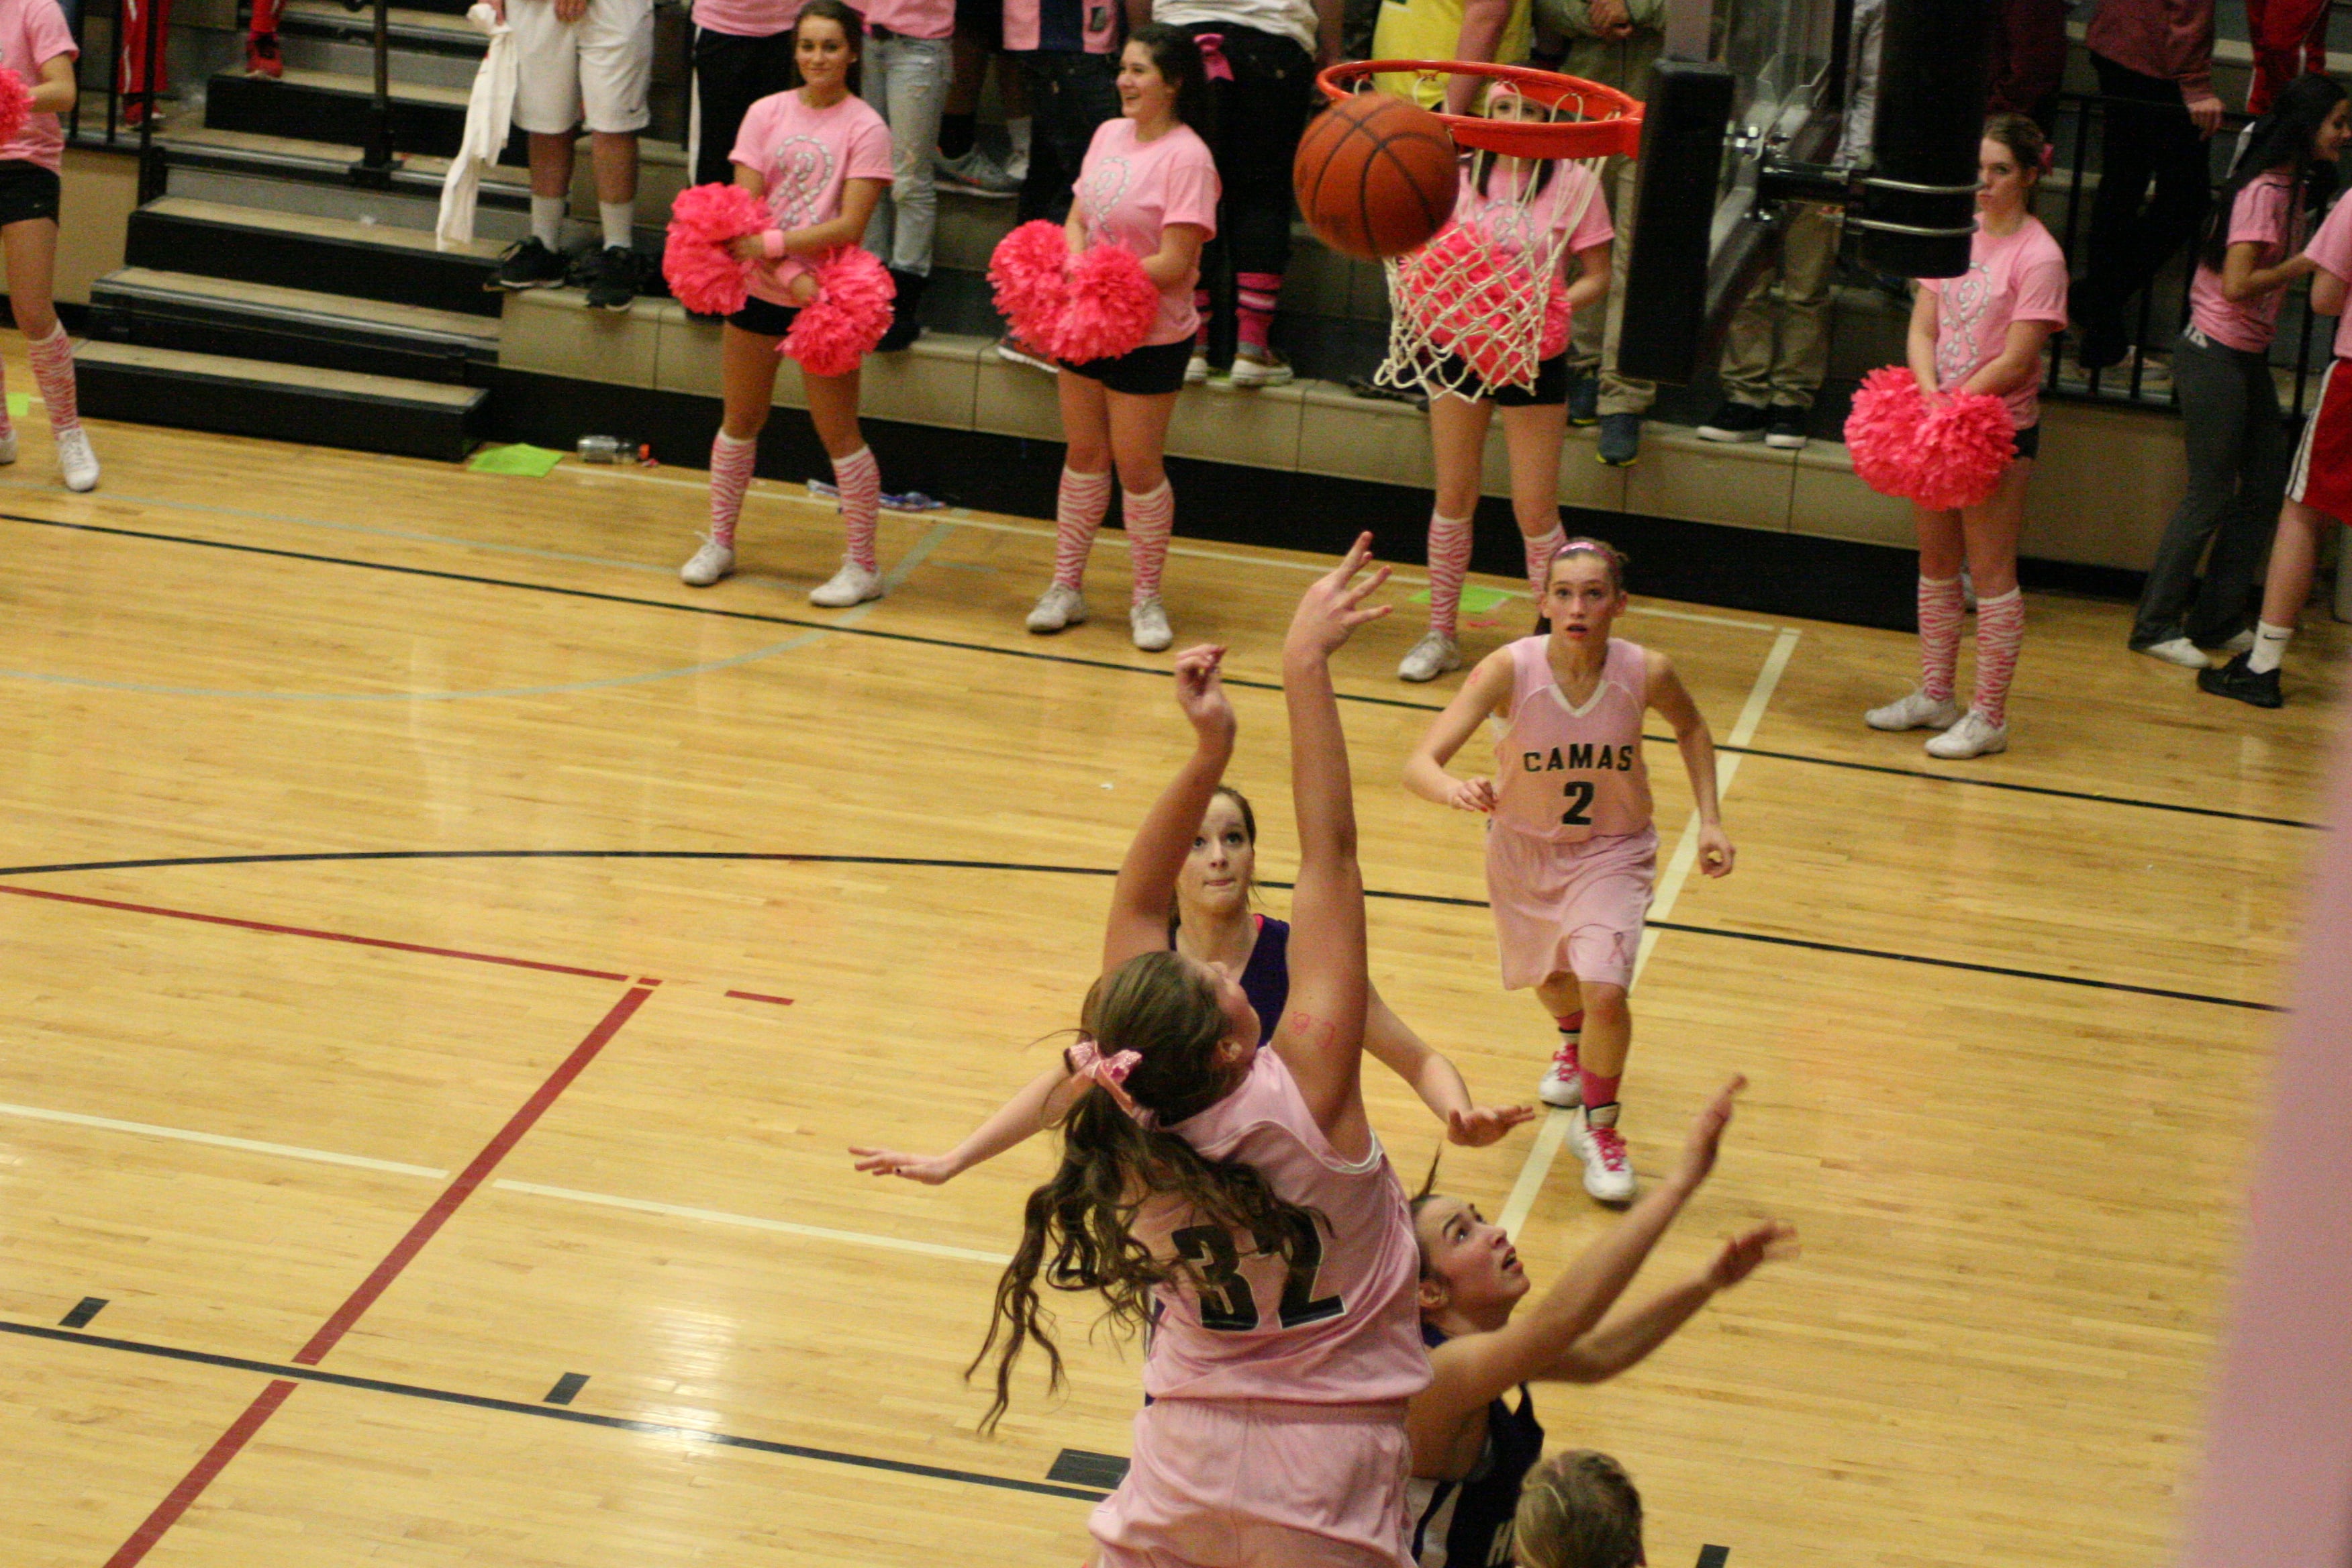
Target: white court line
column 752, row 1221
column 181, row 1134
column 1554, row 1131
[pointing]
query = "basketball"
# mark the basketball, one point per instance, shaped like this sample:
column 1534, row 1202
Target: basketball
column 1375, row 175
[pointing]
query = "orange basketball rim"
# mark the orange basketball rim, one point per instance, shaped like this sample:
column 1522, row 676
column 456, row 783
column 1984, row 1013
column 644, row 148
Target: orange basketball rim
column 1595, row 120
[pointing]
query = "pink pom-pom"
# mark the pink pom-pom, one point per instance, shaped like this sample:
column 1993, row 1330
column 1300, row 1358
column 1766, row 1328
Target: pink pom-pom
column 15, row 104
column 1963, row 449
column 1029, row 272
column 851, row 312
column 1881, row 429
column 1111, row 308
column 704, row 275
column 1558, row 318
column 1452, row 293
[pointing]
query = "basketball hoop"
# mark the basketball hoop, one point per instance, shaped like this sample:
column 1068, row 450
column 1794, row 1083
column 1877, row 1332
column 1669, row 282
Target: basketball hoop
column 1482, row 305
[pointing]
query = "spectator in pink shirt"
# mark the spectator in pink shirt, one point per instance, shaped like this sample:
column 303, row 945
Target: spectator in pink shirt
column 37, row 47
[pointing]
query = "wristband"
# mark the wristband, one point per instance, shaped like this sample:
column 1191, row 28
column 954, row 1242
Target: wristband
column 772, row 242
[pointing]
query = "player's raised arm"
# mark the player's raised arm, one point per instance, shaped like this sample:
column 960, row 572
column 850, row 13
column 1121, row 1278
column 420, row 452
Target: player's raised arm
column 1145, row 888
column 1321, row 1036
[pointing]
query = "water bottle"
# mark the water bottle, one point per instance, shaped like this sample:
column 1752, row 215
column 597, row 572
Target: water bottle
column 603, row 449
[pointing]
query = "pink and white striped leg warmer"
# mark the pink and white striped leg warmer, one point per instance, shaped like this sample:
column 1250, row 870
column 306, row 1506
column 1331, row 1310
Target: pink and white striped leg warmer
column 859, row 480
column 2000, row 631
column 6, row 423
column 1449, row 562
column 53, row 368
column 1079, row 510
column 731, row 475
column 1941, row 610
column 1151, row 519
column 1540, row 554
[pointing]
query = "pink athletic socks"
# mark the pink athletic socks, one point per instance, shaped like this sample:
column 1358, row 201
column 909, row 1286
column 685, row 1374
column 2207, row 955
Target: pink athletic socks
column 1151, row 519
column 1079, row 510
column 731, row 475
column 52, row 369
column 1449, row 562
column 860, row 483
column 1540, row 553
column 2000, row 629
column 1940, row 609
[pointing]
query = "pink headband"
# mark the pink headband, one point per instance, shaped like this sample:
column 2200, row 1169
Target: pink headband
column 1110, row 1075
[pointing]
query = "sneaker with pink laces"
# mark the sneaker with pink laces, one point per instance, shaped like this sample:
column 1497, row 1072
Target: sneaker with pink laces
column 1608, row 1169
column 1563, row 1086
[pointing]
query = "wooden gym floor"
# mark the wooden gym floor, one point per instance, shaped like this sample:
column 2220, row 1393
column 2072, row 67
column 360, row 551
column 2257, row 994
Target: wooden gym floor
column 447, row 958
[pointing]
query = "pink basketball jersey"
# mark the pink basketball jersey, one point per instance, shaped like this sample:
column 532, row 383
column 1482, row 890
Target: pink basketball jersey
column 1566, row 773
column 1342, row 1326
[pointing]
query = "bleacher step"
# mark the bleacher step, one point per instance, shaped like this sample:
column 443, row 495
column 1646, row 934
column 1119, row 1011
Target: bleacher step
column 333, row 105
column 295, row 250
column 432, row 32
column 182, row 311
column 280, row 402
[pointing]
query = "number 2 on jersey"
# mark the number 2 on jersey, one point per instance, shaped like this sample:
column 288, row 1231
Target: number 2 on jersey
column 1227, row 1303
column 1579, row 793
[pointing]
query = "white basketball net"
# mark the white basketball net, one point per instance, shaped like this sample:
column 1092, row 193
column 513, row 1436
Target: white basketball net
column 1469, row 311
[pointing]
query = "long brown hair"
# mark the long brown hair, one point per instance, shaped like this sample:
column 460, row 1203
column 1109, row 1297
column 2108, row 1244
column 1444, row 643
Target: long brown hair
column 1078, row 1228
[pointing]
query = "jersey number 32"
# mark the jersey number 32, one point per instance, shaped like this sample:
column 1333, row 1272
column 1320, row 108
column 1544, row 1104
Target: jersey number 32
column 1227, row 1303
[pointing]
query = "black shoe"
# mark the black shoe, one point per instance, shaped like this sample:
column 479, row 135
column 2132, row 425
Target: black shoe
column 528, row 265
column 2102, row 344
column 1583, row 400
column 2236, row 680
column 612, row 278
column 1620, row 440
column 905, row 326
column 1733, row 422
column 1787, row 427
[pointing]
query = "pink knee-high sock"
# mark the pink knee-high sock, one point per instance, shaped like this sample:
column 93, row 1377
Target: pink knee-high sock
column 1449, row 560
column 53, row 368
column 1078, row 511
column 1940, row 612
column 1540, row 553
column 2001, row 630
column 860, row 483
column 1256, row 296
column 731, row 475
column 1600, row 1093
column 1151, row 519
column 6, row 423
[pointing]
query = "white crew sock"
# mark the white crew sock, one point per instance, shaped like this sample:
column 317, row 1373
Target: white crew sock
column 547, row 221
column 1016, row 132
column 2270, row 646
column 619, row 219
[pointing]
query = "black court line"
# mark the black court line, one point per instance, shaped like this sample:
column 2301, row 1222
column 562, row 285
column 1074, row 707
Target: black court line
column 567, row 1388
column 1044, row 658
column 1886, row 953
column 86, row 1309
column 1713, row 1556
column 551, row 1413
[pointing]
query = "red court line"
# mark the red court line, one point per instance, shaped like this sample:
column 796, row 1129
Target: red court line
column 216, row 1458
column 755, row 996
column 305, row 931
column 404, row 1252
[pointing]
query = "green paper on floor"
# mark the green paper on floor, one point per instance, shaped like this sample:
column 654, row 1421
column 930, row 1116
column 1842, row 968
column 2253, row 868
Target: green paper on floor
column 1475, row 600
column 532, row 462
column 19, row 404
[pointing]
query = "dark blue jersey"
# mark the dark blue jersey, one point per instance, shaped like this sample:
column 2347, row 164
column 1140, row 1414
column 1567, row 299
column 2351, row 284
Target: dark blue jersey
column 1266, row 980
column 1467, row 1523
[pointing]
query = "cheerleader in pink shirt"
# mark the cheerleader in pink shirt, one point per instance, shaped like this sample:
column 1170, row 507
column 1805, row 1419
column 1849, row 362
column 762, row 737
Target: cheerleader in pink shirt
column 820, row 157
column 1571, row 856
column 35, row 44
column 1149, row 185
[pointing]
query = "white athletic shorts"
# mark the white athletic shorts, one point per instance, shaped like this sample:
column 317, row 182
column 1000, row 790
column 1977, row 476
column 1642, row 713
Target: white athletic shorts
column 596, row 69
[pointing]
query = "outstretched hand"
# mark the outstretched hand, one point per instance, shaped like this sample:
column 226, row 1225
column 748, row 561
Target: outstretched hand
column 932, row 1170
column 1333, row 606
column 1200, row 693
column 1484, row 1124
column 1743, row 1254
column 1706, row 1136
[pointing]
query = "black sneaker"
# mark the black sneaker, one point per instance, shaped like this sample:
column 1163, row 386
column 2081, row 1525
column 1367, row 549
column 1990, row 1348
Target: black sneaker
column 1620, row 440
column 1785, row 426
column 2237, row 679
column 1583, row 400
column 528, row 265
column 1733, row 422
column 612, row 280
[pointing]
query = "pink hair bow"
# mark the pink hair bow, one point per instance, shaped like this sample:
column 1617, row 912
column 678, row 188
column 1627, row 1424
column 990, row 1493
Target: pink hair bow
column 1108, row 1073
column 1212, row 55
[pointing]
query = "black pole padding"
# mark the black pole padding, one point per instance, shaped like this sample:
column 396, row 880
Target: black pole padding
column 1933, row 67
column 1684, row 121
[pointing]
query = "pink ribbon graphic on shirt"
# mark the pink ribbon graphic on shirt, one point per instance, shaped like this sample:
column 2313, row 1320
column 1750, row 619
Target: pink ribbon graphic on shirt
column 1212, row 55
column 1108, row 1073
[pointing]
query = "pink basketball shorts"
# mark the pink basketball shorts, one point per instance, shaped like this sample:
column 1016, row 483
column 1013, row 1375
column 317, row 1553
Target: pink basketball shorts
column 1569, row 908
column 1244, row 1483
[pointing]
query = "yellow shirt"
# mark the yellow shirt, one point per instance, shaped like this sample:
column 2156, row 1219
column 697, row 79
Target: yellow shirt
column 1432, row 30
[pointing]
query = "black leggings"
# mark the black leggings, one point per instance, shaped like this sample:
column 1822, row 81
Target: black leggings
column 2238, row 459
column 1260, row 116
column 2149, row 134
column 730, row 75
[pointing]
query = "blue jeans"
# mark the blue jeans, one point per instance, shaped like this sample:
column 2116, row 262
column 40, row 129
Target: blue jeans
column 907, row 83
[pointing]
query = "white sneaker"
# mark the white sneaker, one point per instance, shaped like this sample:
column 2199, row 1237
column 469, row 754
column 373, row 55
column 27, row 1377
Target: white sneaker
column 708, row 564
column 1057, row 607
column 1973, row 736
column 853, row 584
column 1608, row 1170
column 2243, row 643
column 2176, row 650
column 1148, row 621
column 1260, row 367
column 1196, row 369
column 1430, row 657
column 7, row 448
column 1563, row 1084
column 1916, row 711
column 77, row 464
